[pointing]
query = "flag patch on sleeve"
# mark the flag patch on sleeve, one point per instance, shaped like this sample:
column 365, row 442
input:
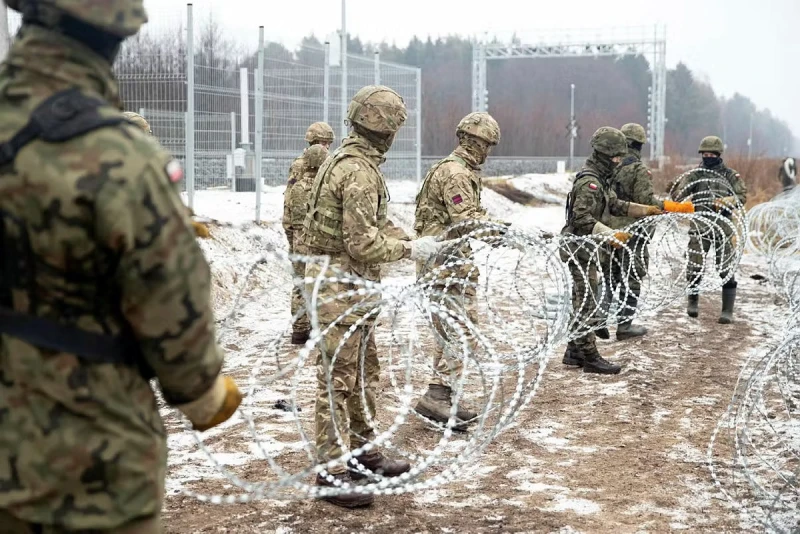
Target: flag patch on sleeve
column 174, row 171
column 592, row 186
column 457, row 199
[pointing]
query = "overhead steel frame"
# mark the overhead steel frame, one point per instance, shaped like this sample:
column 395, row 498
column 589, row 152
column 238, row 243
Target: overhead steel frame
column 615, row 42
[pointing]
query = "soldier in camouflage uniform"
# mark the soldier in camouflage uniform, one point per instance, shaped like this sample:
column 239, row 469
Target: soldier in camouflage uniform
column 787, row 174
column 347, row 221
column 625, row 267
column 319, row 133
column 713, row 198
column 589, row 206
column 295, row 206
column 451, row 194
column 102, row 285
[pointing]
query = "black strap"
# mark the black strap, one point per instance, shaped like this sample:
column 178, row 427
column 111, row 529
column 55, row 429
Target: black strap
column 48, row 334
column 63, row 116
column 628, row 161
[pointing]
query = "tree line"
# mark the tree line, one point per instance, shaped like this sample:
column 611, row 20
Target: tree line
column 530, row 98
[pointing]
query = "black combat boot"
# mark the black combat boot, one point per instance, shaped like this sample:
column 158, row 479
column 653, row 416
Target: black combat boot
column 436, row 403
column 300, row 338
column 352, row 499
column 626, row 329
column 603, row 333
column 380, row 465
column 573, row 356
column 728, row 298
column 691, row 308
column 594, row 363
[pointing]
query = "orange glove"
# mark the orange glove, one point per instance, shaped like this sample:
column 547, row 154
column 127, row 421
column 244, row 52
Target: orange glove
column 620, row 238
column 215, row 406
column 678, row 207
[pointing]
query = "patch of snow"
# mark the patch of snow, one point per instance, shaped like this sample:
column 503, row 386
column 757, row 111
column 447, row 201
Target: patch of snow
column 550, row 188
column 579, row 506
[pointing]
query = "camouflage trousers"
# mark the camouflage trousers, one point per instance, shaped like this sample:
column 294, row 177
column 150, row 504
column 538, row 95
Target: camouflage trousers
column 301, row 324
column 9, row 524
column 700, row 243
column 584, row 302
column 448, row 367
column 355, row 373
column 623, row 272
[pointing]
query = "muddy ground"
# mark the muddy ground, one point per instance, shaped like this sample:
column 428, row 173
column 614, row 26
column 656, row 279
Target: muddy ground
column 623, row 453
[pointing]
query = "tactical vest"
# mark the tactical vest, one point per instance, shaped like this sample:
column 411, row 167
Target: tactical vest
column 569, row 215
column 322, row 228
column 427, row 211
column 63, row 116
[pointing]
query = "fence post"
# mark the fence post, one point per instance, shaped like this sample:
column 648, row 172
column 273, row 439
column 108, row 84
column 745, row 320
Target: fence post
column 326, row 84
column 190, row 185
column 377, row 68
column 233, row 151
column 419, row 127
column 259, row 140
column 343, row 96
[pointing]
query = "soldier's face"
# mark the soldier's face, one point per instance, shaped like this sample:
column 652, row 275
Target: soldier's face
column 708, row 155
column 326, row 144
column 616, row 159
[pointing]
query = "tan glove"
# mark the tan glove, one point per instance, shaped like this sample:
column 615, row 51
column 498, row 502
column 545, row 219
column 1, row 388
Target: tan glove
column 725, row 203
column 200, row 229
column 215, row 406
column 637, row 211
column 619, row 239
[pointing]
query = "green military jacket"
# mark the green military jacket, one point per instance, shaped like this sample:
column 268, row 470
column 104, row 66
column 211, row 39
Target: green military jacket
column 110, row 248
column 703, row 187
column 632, row 181
column 592, row 200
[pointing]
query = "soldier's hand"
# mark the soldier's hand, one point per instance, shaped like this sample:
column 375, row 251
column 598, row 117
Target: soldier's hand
column 619, row 239
column 200, row 229
column 215, row 406
column 725, row 203
column 425, row 247
column 654, row 210
column 678, row 207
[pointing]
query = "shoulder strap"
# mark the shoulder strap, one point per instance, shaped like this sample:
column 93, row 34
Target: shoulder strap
column 61, row 117
column 434, row 168
column 587, row 172
column 628, row 161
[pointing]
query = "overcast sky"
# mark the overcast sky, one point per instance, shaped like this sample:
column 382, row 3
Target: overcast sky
column 749, row 46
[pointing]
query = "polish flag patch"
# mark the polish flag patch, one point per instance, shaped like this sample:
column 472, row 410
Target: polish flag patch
column 174, row 171
column 457, row 199
column 592, row 186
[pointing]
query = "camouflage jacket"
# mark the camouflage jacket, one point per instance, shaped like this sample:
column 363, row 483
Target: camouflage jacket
column 591, row 200
column 450, row 194
column 295, row 207
column 703, row 187
column 632, row 181
column 82, row 445
column 347, row 219
column 296, row 171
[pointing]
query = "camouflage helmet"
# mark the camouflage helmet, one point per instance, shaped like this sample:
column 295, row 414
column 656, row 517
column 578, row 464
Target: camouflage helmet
column 315, row 155
column 139, row 121
column 634, row 132
column 122, row 18
column 378, row 109
column 609, row 141
column 320, row 131
column 480, row 125
column 712, row 143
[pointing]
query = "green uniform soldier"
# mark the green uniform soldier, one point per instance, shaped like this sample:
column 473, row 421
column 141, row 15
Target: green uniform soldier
column 102, row 285
column 713, row 197
column 451, row 194
column 319, row 133
column 625, row 267
column 295, row 207
column 589, row 206
column 347, row 221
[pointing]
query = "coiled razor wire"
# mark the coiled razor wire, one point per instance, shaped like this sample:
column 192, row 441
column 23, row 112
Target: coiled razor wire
column 761, row 476
column 522, row 286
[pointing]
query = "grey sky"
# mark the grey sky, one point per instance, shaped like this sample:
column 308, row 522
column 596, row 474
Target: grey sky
column 747, row 46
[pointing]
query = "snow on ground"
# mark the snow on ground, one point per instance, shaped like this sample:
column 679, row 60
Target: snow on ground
column 590, row 454
column 549, row 188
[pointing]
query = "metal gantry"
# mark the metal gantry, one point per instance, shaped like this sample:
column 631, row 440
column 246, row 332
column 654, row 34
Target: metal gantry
column 609, row 42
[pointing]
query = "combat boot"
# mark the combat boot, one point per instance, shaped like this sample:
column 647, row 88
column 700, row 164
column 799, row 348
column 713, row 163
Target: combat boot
column 380, row 465
column 300, row 338
column 728, row 298
column 594, row 363
column 603, row 333
column 435, row 405
column 691, row 308
column 352, row 499
column 573, row 356
column 626, row 329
